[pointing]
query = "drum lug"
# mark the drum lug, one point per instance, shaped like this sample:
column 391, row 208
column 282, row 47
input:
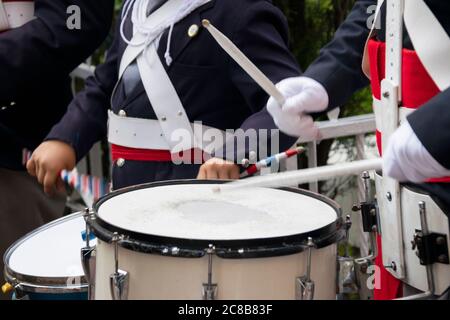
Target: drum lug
column 14, row 285
column 346, row 281
column 370, row 221
column 368, row 208
column 426, row 244
column 430, row 247
column 88, row 254
column 362, row 273
column 209, row 291
column 119, row 280
column 304, row 285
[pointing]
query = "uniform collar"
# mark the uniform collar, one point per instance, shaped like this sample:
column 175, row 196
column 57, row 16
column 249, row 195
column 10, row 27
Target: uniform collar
column 180, row 40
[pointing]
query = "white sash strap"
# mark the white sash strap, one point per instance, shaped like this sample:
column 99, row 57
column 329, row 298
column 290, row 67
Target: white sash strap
column 4, row 23
column 365, row 60
column 147, row 134
column 156, row 18
column 403, row 113
column 433, row 51
column 165, row 101
column 173, row 119
column 15, row 14
column 430, row 41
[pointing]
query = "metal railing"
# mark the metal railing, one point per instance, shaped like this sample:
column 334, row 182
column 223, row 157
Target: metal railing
column 355, row 126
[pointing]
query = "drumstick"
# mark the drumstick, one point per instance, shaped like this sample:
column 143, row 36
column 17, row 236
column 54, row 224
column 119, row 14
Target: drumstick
column 291, row 178
column 257, row 75
column 254, row 168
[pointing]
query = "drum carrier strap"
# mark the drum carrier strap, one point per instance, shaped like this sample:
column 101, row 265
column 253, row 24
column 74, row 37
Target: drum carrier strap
column 4, row 23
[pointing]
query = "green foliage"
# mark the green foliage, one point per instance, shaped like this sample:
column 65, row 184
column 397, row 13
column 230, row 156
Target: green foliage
column 312, row 24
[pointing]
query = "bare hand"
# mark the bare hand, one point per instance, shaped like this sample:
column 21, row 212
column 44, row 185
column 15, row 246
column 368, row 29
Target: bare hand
column 47, row 162
column 216, row 168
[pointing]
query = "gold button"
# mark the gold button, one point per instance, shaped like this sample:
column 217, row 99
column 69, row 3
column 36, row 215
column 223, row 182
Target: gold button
column 193, row 30
column 6, row 288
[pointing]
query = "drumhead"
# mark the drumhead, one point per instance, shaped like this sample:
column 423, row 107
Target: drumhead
column 171, row 212
column 49, row 255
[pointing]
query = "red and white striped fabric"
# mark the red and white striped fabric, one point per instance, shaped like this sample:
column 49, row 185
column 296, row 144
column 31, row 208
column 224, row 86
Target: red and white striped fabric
column 15, row 13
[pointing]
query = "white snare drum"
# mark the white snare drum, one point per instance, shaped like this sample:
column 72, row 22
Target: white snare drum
column 179, row 240
column 438, row 225
column 46, row 264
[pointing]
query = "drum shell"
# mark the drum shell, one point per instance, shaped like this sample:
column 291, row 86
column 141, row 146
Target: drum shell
column 35, row 287
column 438, row 222
column 158, row 277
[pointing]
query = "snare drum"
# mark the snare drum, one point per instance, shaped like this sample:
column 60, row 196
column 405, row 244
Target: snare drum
column 437, row 251
column 180, row 240
column 46, row 264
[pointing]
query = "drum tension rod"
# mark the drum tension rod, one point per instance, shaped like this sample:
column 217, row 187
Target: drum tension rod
column 119, row 280
column 370, row 222
column 88, row 256
column 305, row 285
column 210, row 288
column 346, row 281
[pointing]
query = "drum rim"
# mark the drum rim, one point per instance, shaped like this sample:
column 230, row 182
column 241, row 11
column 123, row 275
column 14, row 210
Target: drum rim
column 36, row 284
column 196, row 247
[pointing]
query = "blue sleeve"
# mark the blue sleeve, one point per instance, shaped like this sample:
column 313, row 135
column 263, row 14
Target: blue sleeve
column 431, row 124
column 46, row 46
column 85, row 121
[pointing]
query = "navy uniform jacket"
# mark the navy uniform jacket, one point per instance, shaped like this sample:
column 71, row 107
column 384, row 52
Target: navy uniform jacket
column 338, row 68
column 212, row 87
column 35, row 62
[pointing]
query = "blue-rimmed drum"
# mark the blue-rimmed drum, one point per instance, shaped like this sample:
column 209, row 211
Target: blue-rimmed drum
column 180, row 240
column 46, row 263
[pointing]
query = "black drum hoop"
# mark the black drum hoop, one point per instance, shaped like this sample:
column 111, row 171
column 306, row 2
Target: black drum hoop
column 228, row 249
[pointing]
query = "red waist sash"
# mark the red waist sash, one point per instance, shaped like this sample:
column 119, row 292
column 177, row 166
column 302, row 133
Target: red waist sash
column 417, row 85
column 120, row 152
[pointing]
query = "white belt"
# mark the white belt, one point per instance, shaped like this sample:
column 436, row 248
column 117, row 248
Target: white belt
column 148, row 134
column 403, row 113
column 15, row 14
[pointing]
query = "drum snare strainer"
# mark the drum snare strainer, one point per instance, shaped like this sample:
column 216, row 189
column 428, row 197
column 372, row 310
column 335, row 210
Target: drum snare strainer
column 179, row 240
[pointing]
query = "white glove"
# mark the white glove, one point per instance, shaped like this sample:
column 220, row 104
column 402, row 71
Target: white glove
column 406, row 159
column 303, row 96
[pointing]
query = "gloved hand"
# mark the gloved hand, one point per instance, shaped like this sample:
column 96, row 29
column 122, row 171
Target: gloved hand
column 303, row 96
column 406, row 159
